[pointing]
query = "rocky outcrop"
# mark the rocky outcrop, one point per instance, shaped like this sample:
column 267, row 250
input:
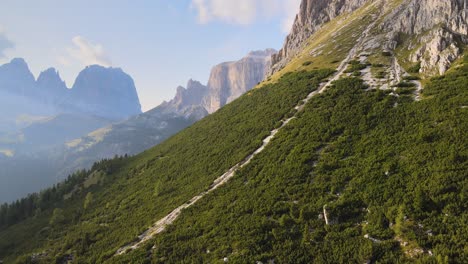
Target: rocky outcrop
column 437, row 28
column 312, row 15
column 106, row 92
column 437, row 53
column 230, row 80
column 187, row 101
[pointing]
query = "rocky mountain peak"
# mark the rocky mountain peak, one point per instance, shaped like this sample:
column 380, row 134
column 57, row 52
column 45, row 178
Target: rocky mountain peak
column 192, row 95
column 18, row 62
column 15, row 77
column 109, row 92
column 227, row 81
column 50, row 81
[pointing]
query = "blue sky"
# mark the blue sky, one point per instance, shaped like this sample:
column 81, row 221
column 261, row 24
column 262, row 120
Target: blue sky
column 160, row 43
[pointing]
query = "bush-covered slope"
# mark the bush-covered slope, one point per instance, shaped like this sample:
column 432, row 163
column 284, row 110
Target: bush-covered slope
column 390, row 172
column 116, row 201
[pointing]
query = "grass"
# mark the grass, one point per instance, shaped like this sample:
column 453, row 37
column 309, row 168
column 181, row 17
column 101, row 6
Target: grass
column 331, row 43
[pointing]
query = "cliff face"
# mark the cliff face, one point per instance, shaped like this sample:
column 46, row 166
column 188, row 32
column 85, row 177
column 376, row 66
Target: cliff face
column 312, row 15
column 227, row 82
column 230, row 80
column 437, row 29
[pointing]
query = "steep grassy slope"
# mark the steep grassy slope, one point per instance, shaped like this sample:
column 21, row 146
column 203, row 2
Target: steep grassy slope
column 390, row 172
column 360, row 175
column 133, row 192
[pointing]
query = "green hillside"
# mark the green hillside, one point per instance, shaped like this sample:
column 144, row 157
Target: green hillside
column 132, row 192
column 341, row 156
column 390, row 171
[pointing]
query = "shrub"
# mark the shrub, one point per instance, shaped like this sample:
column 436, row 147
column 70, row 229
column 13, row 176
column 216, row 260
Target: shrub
column 415, row 68
column 386, row 53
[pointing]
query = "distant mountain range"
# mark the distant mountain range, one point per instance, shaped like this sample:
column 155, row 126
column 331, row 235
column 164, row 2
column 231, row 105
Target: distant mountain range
column 62, row 130
column 227, row 82
column 104, row 92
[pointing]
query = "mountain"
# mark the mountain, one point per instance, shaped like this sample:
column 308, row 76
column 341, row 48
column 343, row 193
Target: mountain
column 350, row 152
column 311, row 17
column 99, row 91
column 16, row 78
column 227, row 82
column 230, row 80
column 73, row 141
column 29, row 160
column 39, row 116
column 107, row 92
column 51, row 86
column 187, row 99
column 146, row 130
column 19, row 97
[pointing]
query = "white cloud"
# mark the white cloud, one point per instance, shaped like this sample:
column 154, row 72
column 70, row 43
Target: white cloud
column 244, row 12
column 5, row 43
column 236, row 12
column 86, row 53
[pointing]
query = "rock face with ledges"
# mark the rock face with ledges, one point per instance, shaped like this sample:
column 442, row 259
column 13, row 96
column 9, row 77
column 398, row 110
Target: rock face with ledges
column 312, row 15
column 227, row 82
column 230, row 80
column 438, row 29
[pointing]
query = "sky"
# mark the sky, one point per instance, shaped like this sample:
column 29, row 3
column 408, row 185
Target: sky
column 160, row 43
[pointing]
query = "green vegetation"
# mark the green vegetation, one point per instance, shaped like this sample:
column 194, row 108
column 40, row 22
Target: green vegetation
column 355, row 67
column 330, row 45
column 387, row 54
column 395, row 174
column 135, row 191
column 405, row 84
column 414, row 68
column 411, row 78
column 391, row 173
column 380, row 74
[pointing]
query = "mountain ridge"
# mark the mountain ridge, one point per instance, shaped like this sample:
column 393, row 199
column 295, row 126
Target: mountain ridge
column 421, row 19
column 340, row 156
column 51, row 91
column 227, row 81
